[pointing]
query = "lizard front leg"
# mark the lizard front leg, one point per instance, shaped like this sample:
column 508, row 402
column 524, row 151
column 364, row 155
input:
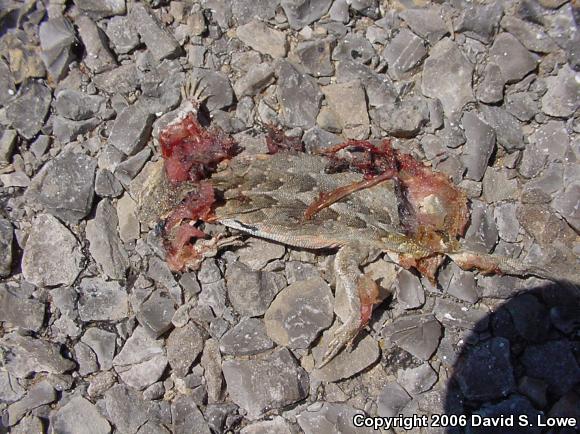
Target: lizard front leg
column 361, row 293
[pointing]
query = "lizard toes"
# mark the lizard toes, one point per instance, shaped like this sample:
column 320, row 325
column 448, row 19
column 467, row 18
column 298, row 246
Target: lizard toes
column 342, row 337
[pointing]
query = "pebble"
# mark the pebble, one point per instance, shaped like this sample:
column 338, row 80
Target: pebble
column 330, row 418
column 302, row 13
column 446, row 59
column 105, row 245
column 299, row 313
column 270, row 382
column 57, row 40
column 102, row 343
column 427, row 23
column 251, row 292
column 28, row 110
column 392, row 400
column 24, row 313
column 263, row 39
column 131, row 130
column 97, row 9
column 298, row 95
column 160, row 43
column 98, row 56
column 258, row 78
column 416, row 334
column 246, row 338
column 122, row 34
column 6, row 240
column 403, row 54
column 561, row 99
column 184, row 345
column 314, row 56
column 102, row 301
column 479, row 145
column 480, row 21
column 53, row 260
column 513, row 59
column 347, row 101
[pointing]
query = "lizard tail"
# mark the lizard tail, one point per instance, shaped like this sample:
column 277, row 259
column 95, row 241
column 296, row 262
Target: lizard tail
column 500, row 264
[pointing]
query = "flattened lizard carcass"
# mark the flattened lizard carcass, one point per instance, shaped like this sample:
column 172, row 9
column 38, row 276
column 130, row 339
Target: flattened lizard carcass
column 293, row 199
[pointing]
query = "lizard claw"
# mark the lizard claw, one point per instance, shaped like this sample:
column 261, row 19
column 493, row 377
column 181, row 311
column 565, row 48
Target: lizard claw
column 343, row 337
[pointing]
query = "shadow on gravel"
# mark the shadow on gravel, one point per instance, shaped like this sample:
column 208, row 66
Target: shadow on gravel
column 521, row 366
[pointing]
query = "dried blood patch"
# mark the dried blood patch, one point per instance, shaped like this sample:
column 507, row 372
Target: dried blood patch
column 191, row 153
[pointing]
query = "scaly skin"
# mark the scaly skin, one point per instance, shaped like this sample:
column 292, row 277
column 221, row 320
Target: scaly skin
column 267, row 196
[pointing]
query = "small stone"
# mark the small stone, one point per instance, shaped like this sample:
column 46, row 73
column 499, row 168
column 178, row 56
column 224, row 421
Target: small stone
column 131, row 130
column 105, row 245
column 566, row 204
column 392, row 400
column 507, row 223
column 446, row 60
column 186, row 417
column 126, row 409
column 246, row 338
column 403, row 54
column 299, row 313
column 263, row 39
column 490, row 89
column 480, row 21
column 85, row 358
column 106, row 185
column 486, row 372
column 403, row 119
column 345, row 364
column 561, row 373
column 214, row 295
column 522, row 105
column 98, row 57
column 353, row 47
column 184, row 345
column 103, row 345
column 548, row 143
column 28, row 424
column 10, row 388
column 459, row 283
column 410, row 290
column 301, row 13
column 39, row 394
column 27, row 314
column 97, row 9
column 258, row 78
column 7, row 85
column 479, row 145
column 498, row 186
column 277, row 425
column 159, row 271
column 141, row 361
column 534, row 389
column 128, row 221
column 561, row 99
column 348, row 102
column 245, row 10
column 257, row 253
column 417, row 380
column 217, row 89
column 452, row 314
column 77, row 106
column 314, row 56
column 251, row 292
column 298, row 95
column 30, row 355
column 122, row 34
column 379, row 88
column 156, row 312
column 482, row 232
column 57, row 40
column 416, row 334
column 324, row 418
column 65, row 186
column 514, row 61
column 51, row 260
column 529, row 34
column 7, row 144
column 122, row 80
column 27, row 111
column 80, row 415
column 102, row 301
column 426, row 22
column 66, row 130
column 508, row 130
column 271, row 382
column 158, row 40
column 127, row 170
column 6, row 239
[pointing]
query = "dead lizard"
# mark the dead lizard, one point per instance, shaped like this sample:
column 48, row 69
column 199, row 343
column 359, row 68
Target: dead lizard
column 271, row 197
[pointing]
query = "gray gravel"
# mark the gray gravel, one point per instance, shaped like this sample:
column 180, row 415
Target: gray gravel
column 99, row 336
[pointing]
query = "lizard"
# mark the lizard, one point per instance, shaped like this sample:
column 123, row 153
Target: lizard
column 283, row 197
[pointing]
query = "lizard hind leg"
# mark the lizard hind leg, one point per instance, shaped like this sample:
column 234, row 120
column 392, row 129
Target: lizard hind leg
column 360, row 293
